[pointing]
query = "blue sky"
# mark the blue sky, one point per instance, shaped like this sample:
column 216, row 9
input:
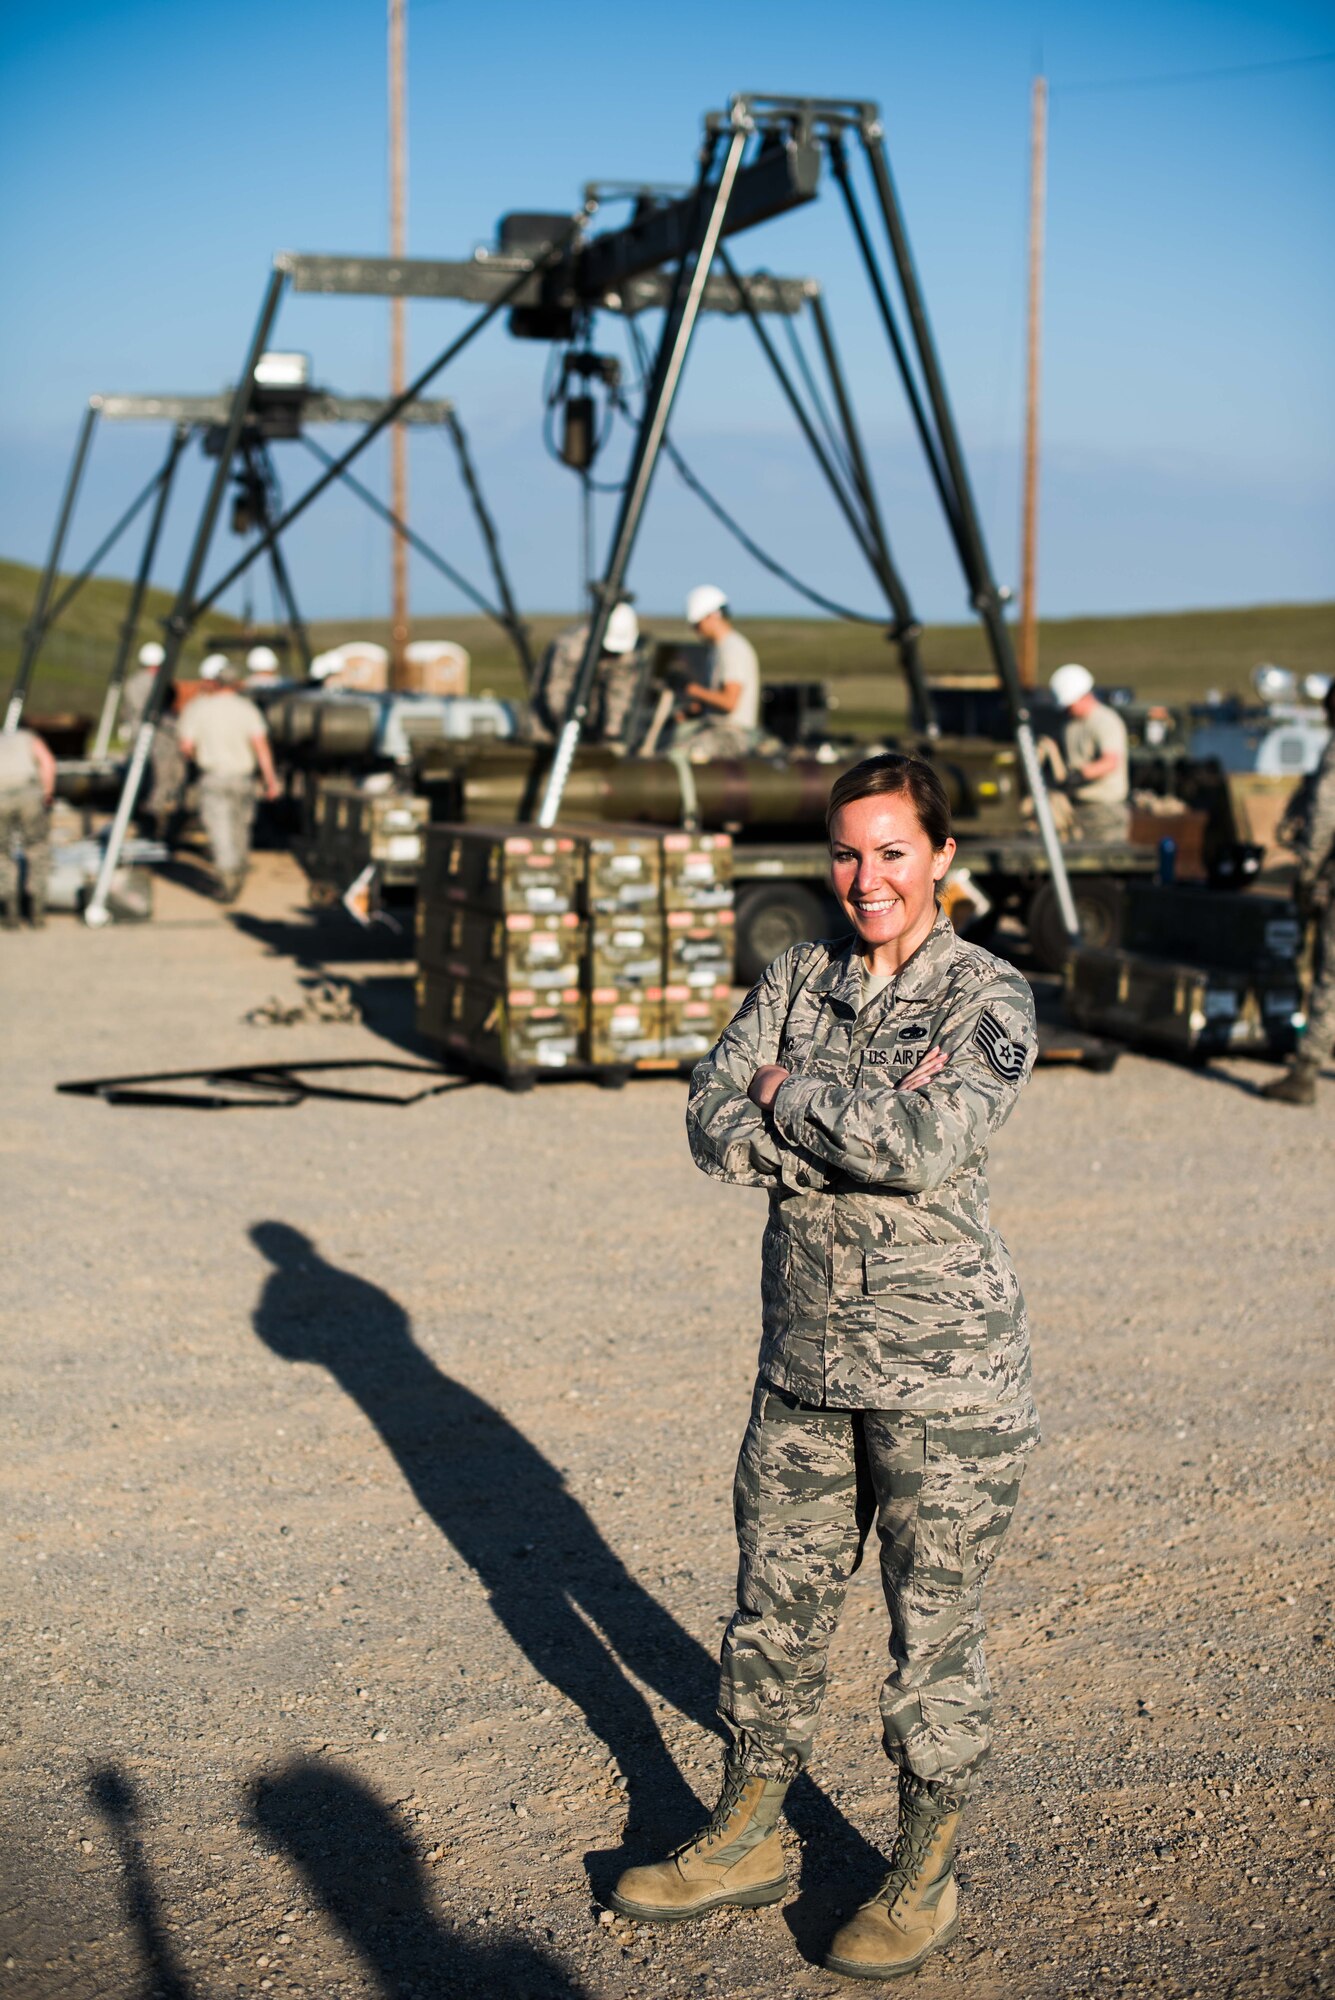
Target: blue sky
column 156, row 155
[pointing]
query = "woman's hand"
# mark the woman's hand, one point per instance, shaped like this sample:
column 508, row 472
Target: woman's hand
column 765, row 1083
column 931, row 1065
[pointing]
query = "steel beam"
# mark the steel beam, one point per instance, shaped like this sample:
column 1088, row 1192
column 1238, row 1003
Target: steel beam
column 178, row 625
column 319, row 406
column 677, row 330
column 112, row 699
column 37, row 624
column 482, row 279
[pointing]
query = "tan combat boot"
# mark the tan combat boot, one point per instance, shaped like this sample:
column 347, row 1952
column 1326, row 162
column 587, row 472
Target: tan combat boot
column 737, row 1858
column 914, row 1910
column 1297, row 1085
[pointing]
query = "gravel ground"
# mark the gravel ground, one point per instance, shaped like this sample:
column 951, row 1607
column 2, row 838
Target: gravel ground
column 367, row 1471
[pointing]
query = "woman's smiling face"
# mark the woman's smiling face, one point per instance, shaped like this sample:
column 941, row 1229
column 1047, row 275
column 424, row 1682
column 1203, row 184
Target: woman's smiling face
column 885, row 869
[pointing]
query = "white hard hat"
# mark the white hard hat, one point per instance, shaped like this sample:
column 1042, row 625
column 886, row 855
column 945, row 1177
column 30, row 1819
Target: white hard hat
column 623, row 630
column 262, row 660
column 706, row 597
column 1071, row 684
column 212, row 665
column 325, row 664
column 152, row 654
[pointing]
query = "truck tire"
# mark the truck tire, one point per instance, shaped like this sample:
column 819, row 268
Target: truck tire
column 1098, row 906
column 770, row 917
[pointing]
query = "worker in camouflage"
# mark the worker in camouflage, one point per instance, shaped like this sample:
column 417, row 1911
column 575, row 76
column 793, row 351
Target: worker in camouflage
column 1315, row 891
column 859, row 1084
column 616, row 680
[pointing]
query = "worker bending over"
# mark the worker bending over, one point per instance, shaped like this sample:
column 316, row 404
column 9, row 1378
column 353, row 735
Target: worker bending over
column 720, row 718
column 225, row 735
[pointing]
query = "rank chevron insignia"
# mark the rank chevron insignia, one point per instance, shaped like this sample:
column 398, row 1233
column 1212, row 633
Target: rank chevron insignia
column 1003, row 1057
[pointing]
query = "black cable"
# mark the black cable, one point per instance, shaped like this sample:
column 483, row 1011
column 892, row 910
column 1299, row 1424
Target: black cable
column 734, row 528
column 838, row 445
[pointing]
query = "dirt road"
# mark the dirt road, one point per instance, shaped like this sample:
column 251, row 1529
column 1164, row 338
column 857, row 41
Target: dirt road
column 367, row 1472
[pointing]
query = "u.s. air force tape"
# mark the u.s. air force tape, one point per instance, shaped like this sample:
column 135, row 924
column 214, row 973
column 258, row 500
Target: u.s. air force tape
column 1004, row 1057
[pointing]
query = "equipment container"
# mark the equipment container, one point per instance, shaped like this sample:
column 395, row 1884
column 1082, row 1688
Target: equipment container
column 1232, row 929
column 623, row 1031
column 623, row 868
column 697, row 871
column 517, row 949
column 693, row 1021
column 626, row 951
column 504, row 1032
column 505, row 868
column 353, row 827
column 1190, row 1011
column 699, row 949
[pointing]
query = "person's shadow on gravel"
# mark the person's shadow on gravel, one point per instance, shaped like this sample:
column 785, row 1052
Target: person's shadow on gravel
column 548, row 1570
column 357, row 1861
column 115, row 1798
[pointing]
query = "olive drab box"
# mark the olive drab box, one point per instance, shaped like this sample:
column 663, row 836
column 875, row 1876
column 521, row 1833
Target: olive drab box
column 352, row 827
column 1185, row 1010
column 699, row 949
column 502, row 868
column 697, row 871
column 514, row 948
column 693, row 1021
column 625, row 1029
column 623, row 869
column 504, row 1031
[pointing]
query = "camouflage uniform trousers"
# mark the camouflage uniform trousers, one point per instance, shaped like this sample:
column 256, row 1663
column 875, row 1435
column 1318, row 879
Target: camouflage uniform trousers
column 1101, row 819
column 810, row 1484
column 25, row 823
column 703, row 738
column 227, row 809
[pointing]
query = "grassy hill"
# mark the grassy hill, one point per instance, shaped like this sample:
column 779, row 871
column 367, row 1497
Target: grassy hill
column 1167, row 656
column 75, row 661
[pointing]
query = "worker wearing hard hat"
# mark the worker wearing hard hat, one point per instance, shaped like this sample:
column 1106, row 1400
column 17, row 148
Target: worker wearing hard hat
column 163, row 804
column 27, row 787
column 1310, row 821
column 615, row 682
column 261, row 668
column 1095, row 747
column 225, row 734
column 719, row 717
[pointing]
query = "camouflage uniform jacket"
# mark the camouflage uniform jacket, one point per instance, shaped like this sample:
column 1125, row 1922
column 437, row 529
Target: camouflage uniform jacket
column 1316, row 839
column 884, row 1285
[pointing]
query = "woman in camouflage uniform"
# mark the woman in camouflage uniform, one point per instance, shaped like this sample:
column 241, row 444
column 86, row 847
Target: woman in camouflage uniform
column 859, row 1085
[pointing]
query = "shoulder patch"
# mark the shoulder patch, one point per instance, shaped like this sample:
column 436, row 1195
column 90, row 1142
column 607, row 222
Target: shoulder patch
column 1004, row 1057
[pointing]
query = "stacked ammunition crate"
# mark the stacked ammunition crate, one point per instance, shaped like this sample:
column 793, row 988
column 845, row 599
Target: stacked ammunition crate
column 623, row 966
column 500, row 945
column 351, row 826
column 598, row 949
column 698, row 922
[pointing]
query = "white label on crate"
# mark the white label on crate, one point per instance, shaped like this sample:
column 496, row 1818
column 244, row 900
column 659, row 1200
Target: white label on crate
column 626, row 864
column 541, row 896
column 1283, row 936
column 1280, row 1003
column 1220, row 1006
column 698, row 868
column 546, row 944
column 551, row 1054
column 403, row 847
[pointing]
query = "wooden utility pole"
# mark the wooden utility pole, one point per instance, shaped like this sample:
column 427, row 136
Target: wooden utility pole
column 1029, row 557
column 398, row 437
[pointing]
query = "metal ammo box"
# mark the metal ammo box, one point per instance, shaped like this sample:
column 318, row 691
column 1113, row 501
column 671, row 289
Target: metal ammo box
column 502, row 868
column 500, row 1030
column 693, row 1021
column 518, row 948
column 699, row 949
column 1202, row 973
column 352, row 828
column 697, row 871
